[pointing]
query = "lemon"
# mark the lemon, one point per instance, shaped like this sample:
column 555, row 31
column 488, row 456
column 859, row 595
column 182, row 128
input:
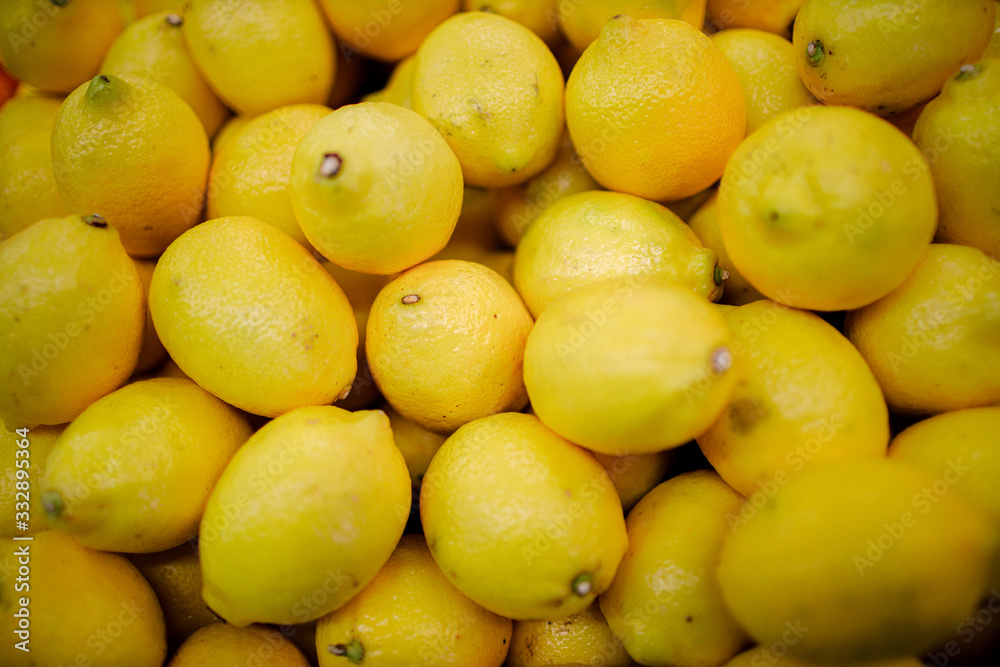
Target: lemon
column 535, row 15
column 250, row 174
column 957, row 447
column 152, row 352
column 22, row 464
column 154, row 47
column 375, row 188
column 517, row 206
column 24, row 114
column 303, row 517
column 654, row 109
column 629, row 366
column 113, row 619
column 581, row 20
column 664, row 603
column 111, row 158
column 399, row 88
column 223, row 645
column 28, row 190
column 56, row 46
column 445, row 344
column 494, row 91
column 958, row 132
column 133, row 472
column 765, row 65
column 887, row 56
column 933, row 342
column 385, row 29
column 593, row 236
column 250, row 315
column 175, row 576
column 776, row 656
column 417, row 444
column 635, row 475
column 705, row 224
column 71, row 319
column 227, row 131
column 805, row 397
column 774, row 16
column 525, row 523
column 408, row 615
column 826, row 208
column 864, row 555
column 583, row 638
column 254, row 70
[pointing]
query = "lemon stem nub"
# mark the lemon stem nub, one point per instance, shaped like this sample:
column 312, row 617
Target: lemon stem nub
column 722, row 360
column 966, row 72
column 583, row 584
column 814, row 50
column 410, row 299
column 330, row 166
column 52, row 503
column 95, row 220
column 720, row 276
column 174, row 20
column 352, row 650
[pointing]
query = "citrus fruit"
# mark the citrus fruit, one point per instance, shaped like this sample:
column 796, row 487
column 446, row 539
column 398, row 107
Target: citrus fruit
column 385, row 29
column 583, row 638
column 223, row 645
column 705, row 224
column 581, row 20
column 28, row 191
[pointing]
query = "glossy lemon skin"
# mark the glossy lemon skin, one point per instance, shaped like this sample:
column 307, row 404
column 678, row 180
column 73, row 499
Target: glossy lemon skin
column 583, row 638
column 286, row 336
column 292, row 545
column 506, row 499
column 66, row 289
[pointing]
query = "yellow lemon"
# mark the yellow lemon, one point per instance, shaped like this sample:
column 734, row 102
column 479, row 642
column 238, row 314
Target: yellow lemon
column 111, row 158
column 864, row 555
column 303, row 517
column 887, row 56
column 635, row 475
column 654, row 109
column 152, row 352
column 774, row 16
column 375, row 188
column 517, row 206
column 805, row 397
column 154, row 47
column 629, row 366
column 826, row 208
column 705, row 224
column 494, row 91
column 399, row 88
column 959, row 133
column 417, row 444
column 251, row 172
column 385, row 29
column 581, row 20
column 23, row 454
column 25, row 114
column 57, row 45
column 765, row 65
column 409, row 615
column 71, row 319
column 254, row 70
column 445, row 344
column 175, row 576
column 538, row 16
column 594, row 236
column 664, row 603
column 523, row 522
column 933, row 342
column 583, row 638
column 133, row 472
column 252, row 317
column 28, row 191
column 227, row 131
column 84, row 607
column 224, row 645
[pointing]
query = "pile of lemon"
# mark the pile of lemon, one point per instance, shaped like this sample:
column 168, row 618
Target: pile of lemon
column 499, row 332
